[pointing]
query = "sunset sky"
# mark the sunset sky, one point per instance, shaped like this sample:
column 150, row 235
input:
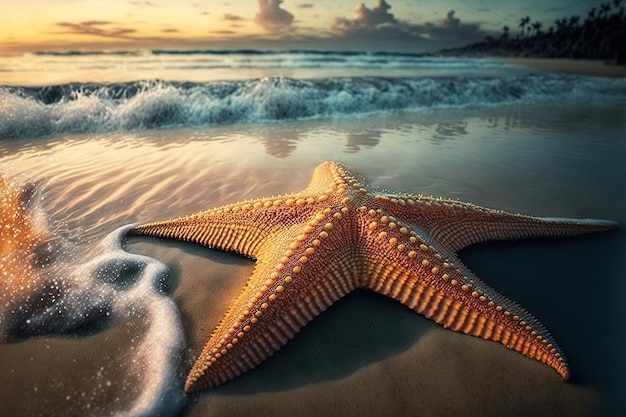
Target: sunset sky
column 399, row 25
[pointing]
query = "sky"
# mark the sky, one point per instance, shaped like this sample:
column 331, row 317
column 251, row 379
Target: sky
column 375, row 25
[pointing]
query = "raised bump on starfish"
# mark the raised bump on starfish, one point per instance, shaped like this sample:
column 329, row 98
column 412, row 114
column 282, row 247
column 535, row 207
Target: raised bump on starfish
column 314, row 247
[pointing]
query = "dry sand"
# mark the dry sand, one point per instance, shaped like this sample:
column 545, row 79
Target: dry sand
column 570, row 66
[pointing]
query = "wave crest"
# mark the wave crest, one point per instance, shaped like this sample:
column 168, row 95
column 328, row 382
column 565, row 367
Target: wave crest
column 78, row 108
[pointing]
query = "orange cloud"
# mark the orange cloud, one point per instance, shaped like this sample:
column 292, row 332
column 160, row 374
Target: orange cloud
column 96, row 28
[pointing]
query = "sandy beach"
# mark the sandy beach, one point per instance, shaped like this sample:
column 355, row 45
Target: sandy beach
column 157, row 301
column 416, row 134
column 367, row 355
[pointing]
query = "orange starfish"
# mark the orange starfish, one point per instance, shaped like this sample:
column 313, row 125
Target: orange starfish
column 316, row 246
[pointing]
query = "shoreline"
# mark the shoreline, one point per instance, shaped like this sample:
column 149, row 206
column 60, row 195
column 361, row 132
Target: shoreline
column 568, row 66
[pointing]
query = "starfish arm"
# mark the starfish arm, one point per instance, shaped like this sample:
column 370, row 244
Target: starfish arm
column 457, row 225
column 241, row 227
column 294, row 281
column 434, row 283
column 329, row 175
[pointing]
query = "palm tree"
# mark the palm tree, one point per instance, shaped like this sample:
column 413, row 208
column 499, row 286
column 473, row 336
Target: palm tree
column 600, row 37
column 559, row 23
column 592, row 13
column 522, row 24
column 505, row 34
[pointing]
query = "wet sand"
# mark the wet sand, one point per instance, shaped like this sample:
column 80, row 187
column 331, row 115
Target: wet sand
column 366, row 355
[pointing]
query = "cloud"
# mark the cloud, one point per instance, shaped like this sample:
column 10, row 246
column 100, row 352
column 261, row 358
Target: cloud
column 378, row 25
column 450, row 21
column 451, row 29
column 366, row 18
column 306, row 6
column 233, row 17
column 378, row 15
column 143, row 3
column 170, row 30
column 96, row 28
column 272, row 18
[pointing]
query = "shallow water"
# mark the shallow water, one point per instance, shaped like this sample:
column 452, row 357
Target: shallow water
column 34, row 69
column 543, row 160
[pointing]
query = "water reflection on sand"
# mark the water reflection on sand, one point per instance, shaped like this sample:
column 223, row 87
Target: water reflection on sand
column 539, row 160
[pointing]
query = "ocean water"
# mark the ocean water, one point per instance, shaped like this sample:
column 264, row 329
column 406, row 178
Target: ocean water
column 109, row 325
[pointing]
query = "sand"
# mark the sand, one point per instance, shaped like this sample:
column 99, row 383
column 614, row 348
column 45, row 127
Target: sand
column 570, row 66
column 366, row 355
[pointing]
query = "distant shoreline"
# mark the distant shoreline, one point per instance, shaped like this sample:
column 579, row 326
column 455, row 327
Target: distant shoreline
column 595, row 68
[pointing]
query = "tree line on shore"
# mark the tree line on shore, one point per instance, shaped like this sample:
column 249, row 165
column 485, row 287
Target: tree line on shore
column 600, row 35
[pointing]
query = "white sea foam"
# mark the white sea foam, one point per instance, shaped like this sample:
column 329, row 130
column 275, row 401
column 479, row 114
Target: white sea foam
column 76, row 108
column 159, row 351
column 114, row 287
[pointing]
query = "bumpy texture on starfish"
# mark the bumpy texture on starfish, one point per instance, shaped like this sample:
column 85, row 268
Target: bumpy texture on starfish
column 316, row 246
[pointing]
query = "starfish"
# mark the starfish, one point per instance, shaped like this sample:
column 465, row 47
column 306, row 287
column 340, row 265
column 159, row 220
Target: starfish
column 313, row 247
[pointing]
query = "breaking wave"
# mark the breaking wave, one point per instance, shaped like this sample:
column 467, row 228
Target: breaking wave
column 93, row 107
